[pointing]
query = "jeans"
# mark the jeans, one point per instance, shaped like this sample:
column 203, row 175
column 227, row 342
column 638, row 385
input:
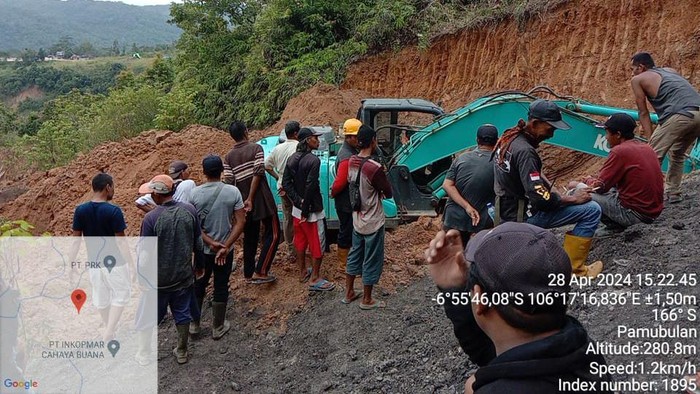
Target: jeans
column 179, row 303
column 614, row 214
column 585, row 216
column 366, row 257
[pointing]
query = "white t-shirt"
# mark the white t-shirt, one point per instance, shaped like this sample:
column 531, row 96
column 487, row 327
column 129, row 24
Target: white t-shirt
column 182, row 193
column 278, row 158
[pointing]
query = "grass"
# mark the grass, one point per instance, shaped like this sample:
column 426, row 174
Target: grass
column 135, row 65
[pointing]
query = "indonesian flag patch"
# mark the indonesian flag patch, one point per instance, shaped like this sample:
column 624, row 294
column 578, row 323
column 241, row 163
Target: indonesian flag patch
column 534, row 176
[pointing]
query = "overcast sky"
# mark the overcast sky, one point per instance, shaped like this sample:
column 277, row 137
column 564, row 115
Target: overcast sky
column 148, row 2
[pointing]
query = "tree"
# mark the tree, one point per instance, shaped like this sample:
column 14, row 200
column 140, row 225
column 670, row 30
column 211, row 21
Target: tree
column 41, row 55
column 115, row 48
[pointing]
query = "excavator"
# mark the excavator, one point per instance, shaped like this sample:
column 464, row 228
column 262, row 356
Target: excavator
column 418, row 141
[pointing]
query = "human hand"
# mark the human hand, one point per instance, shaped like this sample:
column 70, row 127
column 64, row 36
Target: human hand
column 446, row 259
column 473, row 214
column 220, row 258
column 247, row 205
column 582, row 195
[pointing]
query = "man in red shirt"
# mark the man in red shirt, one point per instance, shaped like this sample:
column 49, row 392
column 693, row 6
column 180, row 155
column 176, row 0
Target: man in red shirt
column 630, row 186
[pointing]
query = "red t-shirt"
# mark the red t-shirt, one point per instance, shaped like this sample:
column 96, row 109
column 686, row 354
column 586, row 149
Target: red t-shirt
column 632, row 167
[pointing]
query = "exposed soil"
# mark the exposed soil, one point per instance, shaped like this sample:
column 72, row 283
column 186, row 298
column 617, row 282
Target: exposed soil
column 32, row 92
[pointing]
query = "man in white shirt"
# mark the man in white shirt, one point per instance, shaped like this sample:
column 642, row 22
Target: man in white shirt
column 179, row 171
column 274, row 165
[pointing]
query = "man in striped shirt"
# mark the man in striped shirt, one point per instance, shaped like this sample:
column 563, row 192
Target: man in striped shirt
column 244, row 167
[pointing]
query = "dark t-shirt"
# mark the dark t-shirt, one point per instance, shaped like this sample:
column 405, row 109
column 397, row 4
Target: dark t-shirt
column 98, row 219
column 176, row 225
column 472, row 173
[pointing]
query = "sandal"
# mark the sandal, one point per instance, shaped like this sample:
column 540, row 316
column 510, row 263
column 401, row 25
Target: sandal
column 307, row 276
column 347, row 301
column 376, row 305
column 322, row 285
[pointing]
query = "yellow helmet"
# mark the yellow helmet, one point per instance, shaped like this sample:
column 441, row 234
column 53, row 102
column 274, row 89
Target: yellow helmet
column 351, row 126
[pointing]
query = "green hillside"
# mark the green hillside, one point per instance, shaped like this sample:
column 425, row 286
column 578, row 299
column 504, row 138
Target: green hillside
column 38, row 24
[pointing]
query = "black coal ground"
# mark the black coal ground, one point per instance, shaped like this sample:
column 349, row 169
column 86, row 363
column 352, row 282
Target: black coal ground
column 409, row 347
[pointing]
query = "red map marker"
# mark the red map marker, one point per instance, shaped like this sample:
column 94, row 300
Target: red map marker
column 78, row 297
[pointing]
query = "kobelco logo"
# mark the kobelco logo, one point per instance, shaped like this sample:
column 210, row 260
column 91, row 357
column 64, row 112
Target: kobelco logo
column 601, row 143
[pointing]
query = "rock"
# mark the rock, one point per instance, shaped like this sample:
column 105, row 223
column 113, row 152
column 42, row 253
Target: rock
column 235, row 386
column 678, row 226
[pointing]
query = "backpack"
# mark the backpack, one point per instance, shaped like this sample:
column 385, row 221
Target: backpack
column 354, row 189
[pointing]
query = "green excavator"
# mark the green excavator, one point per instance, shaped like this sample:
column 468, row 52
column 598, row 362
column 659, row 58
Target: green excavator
column 418, row 141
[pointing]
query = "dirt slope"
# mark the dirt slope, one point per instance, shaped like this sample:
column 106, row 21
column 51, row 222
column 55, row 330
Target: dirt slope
column 582, row 48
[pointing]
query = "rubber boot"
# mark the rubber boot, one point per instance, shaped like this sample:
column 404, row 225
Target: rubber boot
column 143, row 340
column 577, row 249
column 183, row 336
column 195, row 327
column 343, row 258
column 220, row 324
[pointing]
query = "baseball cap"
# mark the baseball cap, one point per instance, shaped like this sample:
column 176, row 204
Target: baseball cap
column 365, row 136
column 548, row 112
column 176, row 168
column 212, row 164
column 307, row 132
column 160, row 184
column 520, row 258
column 487, row 133
column 621, row 122
column 351, row 126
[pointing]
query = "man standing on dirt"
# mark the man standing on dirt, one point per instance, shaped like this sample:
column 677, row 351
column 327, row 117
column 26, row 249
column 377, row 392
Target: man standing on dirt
column 177, row 227
column 630, row 186
column 179, row 172
column 99, row 218
column 339, row 190
column 274, row 165
column 244, row 167
column 524, row 194
column 538, row 347
column 218, row 205
column 366, row 258
column 469, row 184
column 677, row 104
column 302, row 184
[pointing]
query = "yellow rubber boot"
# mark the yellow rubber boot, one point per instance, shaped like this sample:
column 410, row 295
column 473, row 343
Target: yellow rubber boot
column 343, row 258
column 577, row 249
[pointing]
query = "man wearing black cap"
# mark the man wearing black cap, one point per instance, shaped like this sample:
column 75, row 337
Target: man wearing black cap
column 301, row 181
column 630, row 186
column 539, row 349
column 469, row 184
column 524, row 194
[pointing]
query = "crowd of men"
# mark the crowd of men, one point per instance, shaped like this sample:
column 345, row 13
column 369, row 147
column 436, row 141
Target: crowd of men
column 197, row 226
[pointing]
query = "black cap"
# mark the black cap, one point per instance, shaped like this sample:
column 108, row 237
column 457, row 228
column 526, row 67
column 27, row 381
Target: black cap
column 212, row 164
column 306, row 133
column 619, row 122
column 365, row 136
column 520, row 258
column 548, row 112
column 176, row 168
column 487, row 134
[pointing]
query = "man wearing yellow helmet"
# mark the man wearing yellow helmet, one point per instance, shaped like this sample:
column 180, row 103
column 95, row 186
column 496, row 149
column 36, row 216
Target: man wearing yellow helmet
column 339, row 190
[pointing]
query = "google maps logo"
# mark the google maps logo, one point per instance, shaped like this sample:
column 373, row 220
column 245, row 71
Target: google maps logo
column 25, row 384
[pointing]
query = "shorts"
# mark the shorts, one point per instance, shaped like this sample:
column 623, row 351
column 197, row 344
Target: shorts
column 311, row 234
column 110, row 288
